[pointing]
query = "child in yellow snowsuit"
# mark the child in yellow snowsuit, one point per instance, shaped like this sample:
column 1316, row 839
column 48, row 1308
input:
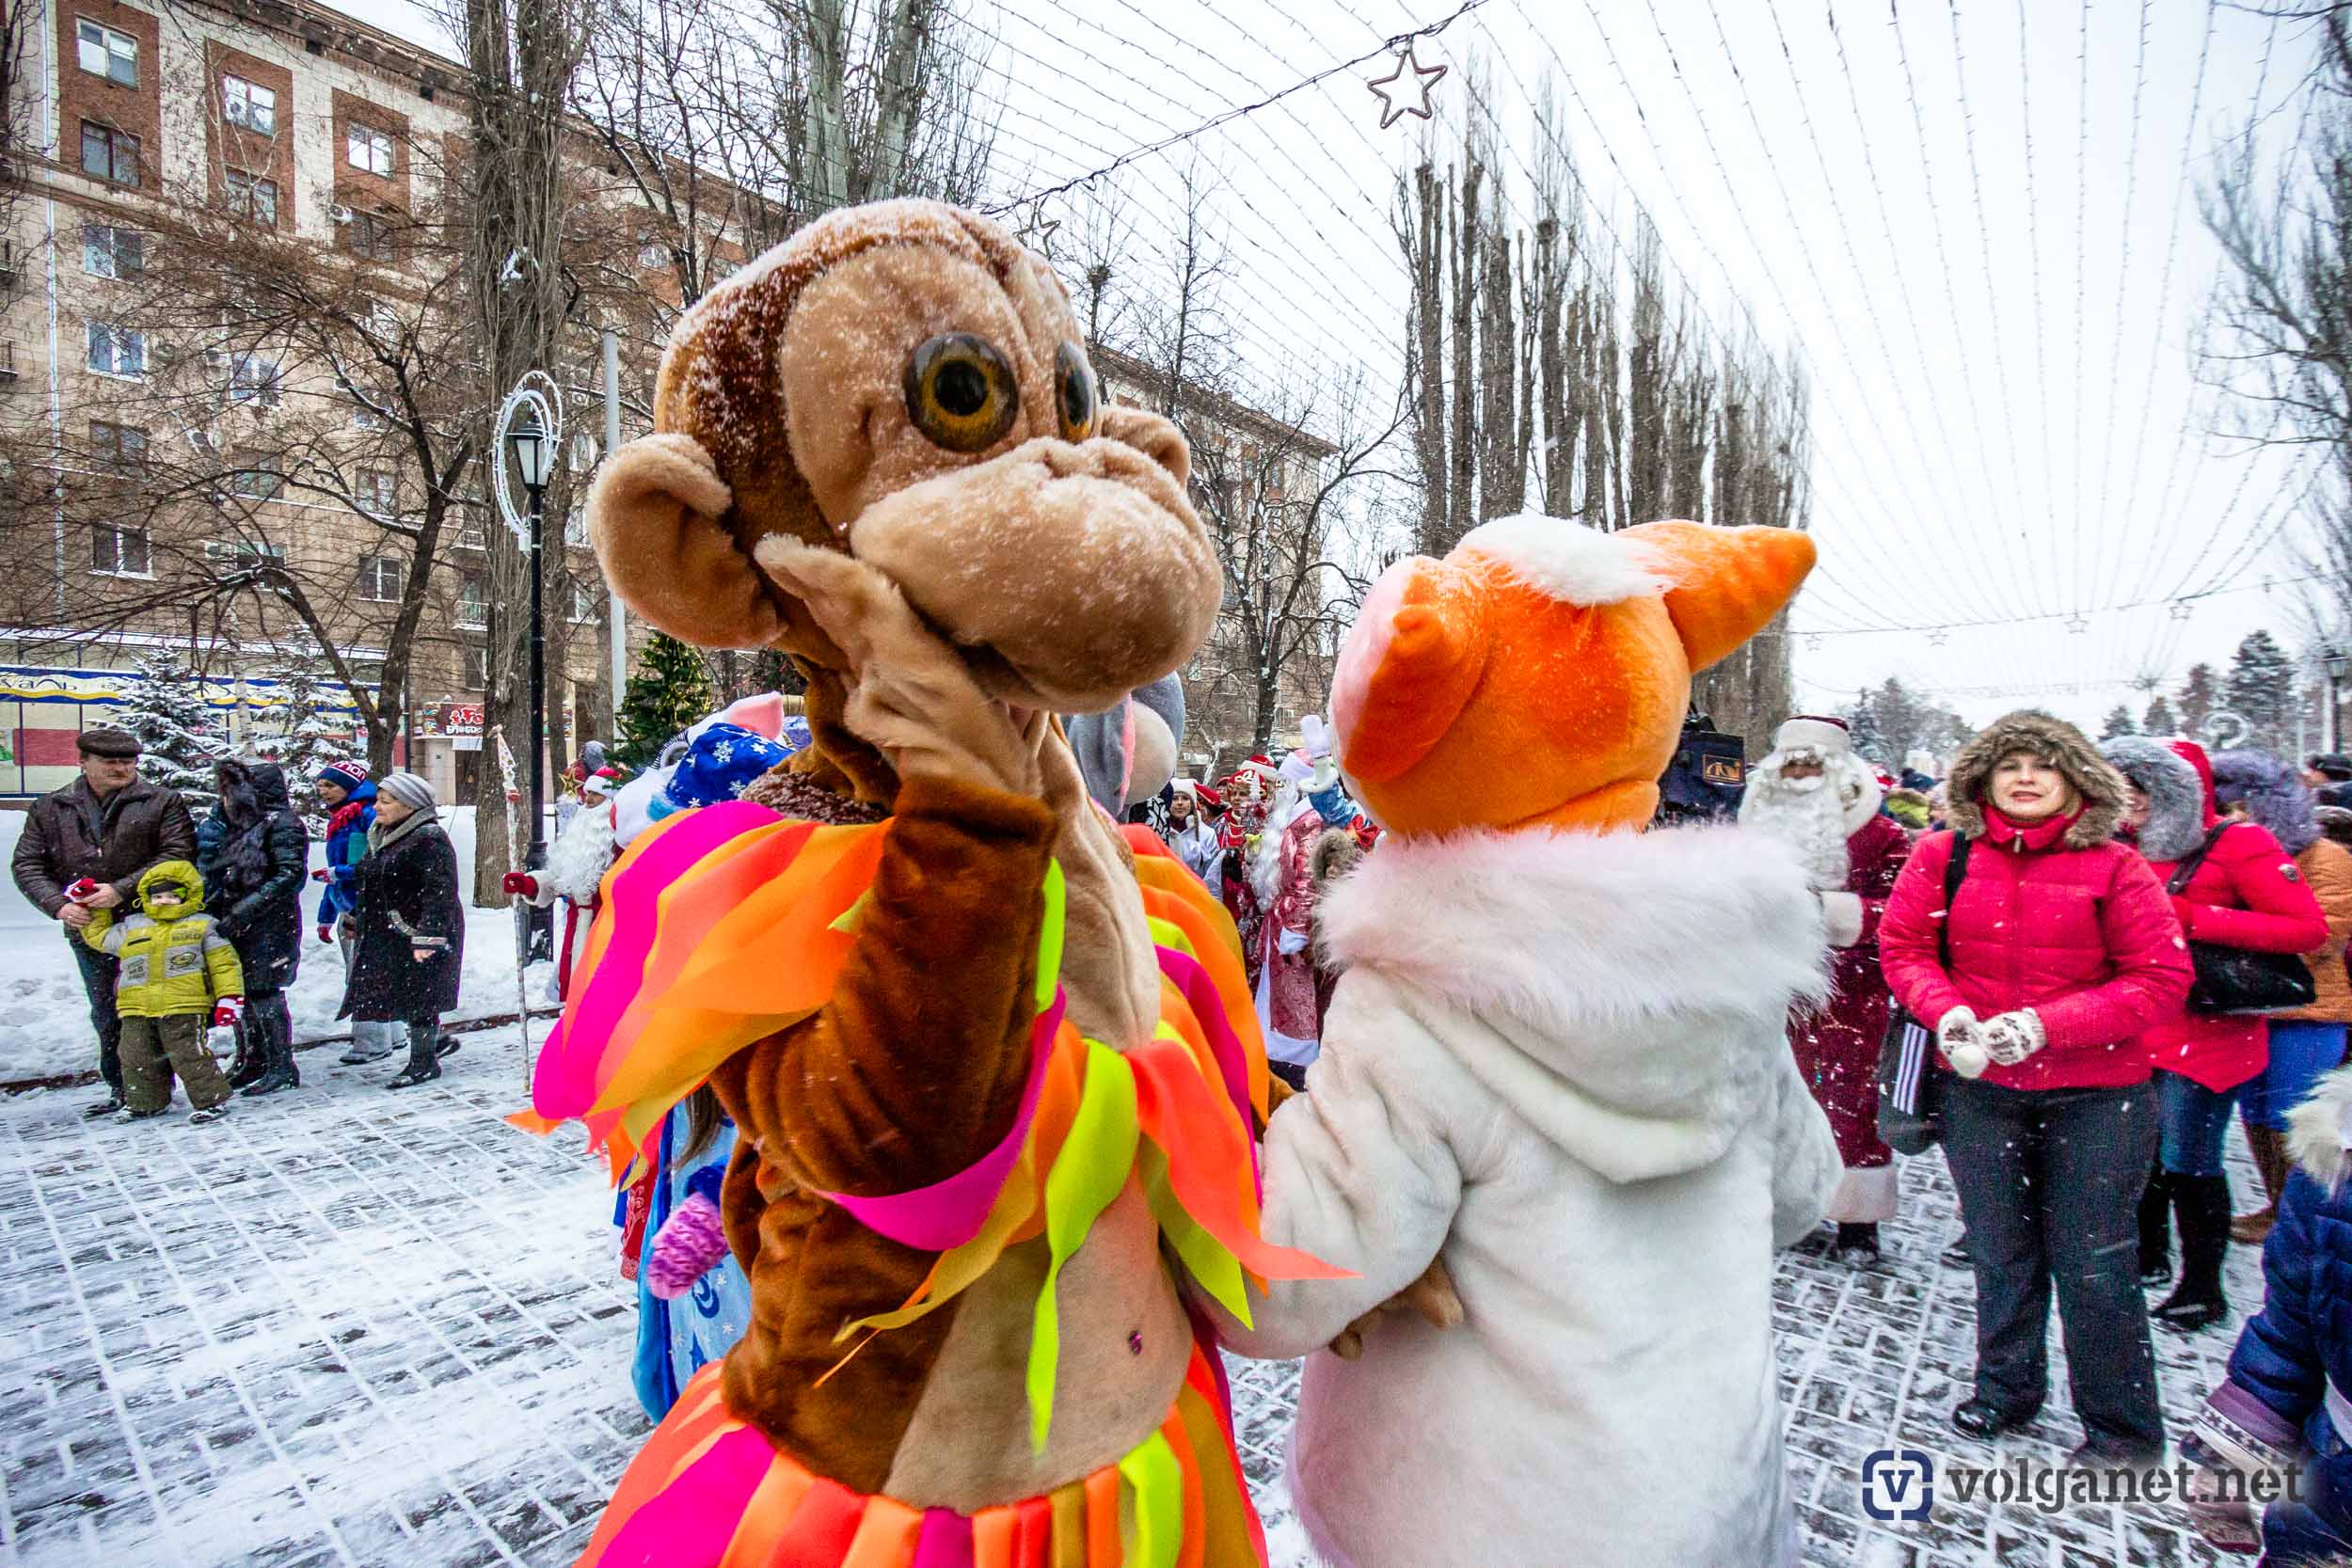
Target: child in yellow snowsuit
column 179, row 975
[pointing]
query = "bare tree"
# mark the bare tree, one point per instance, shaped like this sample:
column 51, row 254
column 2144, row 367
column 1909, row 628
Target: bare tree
column 2277, row 338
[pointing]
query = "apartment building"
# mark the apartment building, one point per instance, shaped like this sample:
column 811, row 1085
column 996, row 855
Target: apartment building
column 182, row 455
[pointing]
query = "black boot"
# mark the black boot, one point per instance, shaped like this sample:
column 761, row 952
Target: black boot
column 2156, row 1231
column 270, row 1022
column 424, row 1057
column 1857, row 1244
column 2203, row 1202
column 248, row 1064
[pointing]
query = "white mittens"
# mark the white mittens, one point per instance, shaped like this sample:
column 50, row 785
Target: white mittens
column 2013, row 1037
column 1841, row 913
column 1958, row 1038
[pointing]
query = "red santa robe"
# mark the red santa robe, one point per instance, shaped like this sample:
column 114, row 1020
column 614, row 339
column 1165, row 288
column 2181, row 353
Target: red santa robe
column 1837, row 1049
column 1287, row 983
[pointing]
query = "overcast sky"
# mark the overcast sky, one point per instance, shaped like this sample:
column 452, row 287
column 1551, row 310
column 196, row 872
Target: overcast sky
column 2007, row 428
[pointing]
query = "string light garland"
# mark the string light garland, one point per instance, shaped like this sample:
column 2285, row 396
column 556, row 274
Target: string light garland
column 1391, row 89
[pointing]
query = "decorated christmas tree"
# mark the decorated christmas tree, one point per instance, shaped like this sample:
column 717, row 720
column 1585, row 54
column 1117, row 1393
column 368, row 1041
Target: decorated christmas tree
column 669, row 690
column 311, row 730
column 180, row 737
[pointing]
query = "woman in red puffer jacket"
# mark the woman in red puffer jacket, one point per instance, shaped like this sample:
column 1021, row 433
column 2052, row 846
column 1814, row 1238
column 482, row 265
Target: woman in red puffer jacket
column 2246, row 892
column 2063, row 952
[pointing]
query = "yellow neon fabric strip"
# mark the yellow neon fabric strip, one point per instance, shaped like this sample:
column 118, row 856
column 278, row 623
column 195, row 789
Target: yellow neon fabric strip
column 1094, row 1163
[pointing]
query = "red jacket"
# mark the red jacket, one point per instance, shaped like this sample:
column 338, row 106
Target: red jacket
column 2083, row 937
column 2249, row 894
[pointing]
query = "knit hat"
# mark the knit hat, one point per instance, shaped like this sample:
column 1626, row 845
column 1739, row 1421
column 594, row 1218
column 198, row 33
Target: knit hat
column 718, row 764
column 346, row 775
column 119, row 744
column 410, row 789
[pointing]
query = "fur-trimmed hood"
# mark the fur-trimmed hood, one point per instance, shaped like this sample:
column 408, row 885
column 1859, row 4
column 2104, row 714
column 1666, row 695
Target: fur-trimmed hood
column 1629, row 986
column 2318, row 1130
column 2103, row 790
column 2274, row 795
column 2180, row 808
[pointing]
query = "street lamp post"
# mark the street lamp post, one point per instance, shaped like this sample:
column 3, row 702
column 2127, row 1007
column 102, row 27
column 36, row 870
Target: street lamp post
column 534, row 455
column 2337, row 665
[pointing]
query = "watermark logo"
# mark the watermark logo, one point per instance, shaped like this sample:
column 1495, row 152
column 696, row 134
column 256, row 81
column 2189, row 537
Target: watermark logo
column 1898, row 1483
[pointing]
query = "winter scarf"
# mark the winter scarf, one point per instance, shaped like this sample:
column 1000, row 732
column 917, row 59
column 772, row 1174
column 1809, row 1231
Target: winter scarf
column 251, row 795
column 2274, row 794
column 383, row 835
column 346, row 815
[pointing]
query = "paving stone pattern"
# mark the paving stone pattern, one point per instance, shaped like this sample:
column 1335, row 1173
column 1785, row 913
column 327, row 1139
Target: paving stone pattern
column 353, row 1326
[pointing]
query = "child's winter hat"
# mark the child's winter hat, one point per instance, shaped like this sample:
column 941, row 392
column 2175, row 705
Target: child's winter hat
column 718, row 764
column 346, row 775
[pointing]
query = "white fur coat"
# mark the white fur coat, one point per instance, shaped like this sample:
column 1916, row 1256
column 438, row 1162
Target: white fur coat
column 1561, row 1061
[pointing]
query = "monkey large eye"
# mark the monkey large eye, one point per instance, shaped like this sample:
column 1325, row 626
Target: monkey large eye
column 960, row 393
column 1073, row 393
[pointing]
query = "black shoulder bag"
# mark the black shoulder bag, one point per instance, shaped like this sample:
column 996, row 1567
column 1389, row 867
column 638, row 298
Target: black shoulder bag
column 1910, row 1089
column 2238, row 981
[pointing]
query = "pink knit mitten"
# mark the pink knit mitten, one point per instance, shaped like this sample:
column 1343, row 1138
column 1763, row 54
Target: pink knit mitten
column 690, row 1242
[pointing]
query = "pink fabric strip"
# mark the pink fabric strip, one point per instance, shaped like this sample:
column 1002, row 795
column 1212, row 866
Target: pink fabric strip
column 564, row 1085
column 688, row 1523
column 946, row 1214
column 945, row 1541
column 1201, row 996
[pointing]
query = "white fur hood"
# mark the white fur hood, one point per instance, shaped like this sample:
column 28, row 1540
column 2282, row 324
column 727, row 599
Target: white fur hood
column 1644, row 980
column 2318, row 1130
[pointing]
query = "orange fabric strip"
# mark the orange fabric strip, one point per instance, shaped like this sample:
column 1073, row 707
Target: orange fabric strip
column 885, row 1537
column 1190, row 1550
column 650, row 1471
column 1102, row 1492
column 995, row 1530
column 767, row 1515
column 823, row 1528
column 1229, row 1541
column 1069, row 1527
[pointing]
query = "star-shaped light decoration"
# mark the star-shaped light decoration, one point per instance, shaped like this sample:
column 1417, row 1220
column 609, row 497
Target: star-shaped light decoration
column 1393, row 89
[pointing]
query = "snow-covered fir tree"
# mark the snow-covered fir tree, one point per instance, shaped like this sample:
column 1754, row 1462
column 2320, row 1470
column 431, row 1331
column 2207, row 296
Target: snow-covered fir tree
column 669, row 690
column 2119, row 723
column 2160, row 719
column 310, row 733
column 2259, row 688
column 180, row 737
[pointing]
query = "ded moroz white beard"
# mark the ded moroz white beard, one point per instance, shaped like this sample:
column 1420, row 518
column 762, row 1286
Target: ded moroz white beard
column 577, row 859
column 1803, row 814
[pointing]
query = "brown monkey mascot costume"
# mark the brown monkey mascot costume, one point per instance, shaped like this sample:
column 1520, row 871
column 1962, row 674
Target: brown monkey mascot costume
column 993, row 1060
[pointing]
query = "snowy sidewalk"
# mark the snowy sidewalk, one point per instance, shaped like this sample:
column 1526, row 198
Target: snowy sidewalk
column 349, row 1326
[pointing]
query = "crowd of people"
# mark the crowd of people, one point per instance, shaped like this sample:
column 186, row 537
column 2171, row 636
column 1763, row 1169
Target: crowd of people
column 180, row 927
column 2119, row 948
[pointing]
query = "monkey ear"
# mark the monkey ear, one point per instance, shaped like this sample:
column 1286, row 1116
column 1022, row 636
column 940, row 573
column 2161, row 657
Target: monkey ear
column 656, row 516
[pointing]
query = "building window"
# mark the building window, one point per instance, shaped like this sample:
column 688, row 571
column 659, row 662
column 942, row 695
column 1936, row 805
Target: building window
column 252, row 199
column 119, row 446
column 369, row 234
column 478, row 668
column 469, row 535
column 118, row 552
column 244, row 552
column 576, row 528
column 379, row 579
column 256, row 381
column 108, row 252
column 377, row 491
column 473, row 602
column 116, row 350
column 253, row 108
column 107, row 53
column 109, row 154
column 365, row 147
column 258, row 477
column 585, row 605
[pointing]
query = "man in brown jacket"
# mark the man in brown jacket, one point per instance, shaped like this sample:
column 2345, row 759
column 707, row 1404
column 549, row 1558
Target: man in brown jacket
column 107, row 827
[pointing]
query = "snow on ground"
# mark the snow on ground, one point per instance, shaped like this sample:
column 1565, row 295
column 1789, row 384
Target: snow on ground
column 354, row 1326
column 44, row 1014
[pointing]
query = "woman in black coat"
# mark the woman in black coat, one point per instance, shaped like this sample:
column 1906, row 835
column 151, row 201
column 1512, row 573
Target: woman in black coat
column 253, row 854
column 411, row 924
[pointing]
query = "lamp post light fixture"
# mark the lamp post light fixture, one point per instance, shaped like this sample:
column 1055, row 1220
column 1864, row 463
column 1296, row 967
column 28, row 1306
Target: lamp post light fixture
column 534, row 447
column 2337, row 663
